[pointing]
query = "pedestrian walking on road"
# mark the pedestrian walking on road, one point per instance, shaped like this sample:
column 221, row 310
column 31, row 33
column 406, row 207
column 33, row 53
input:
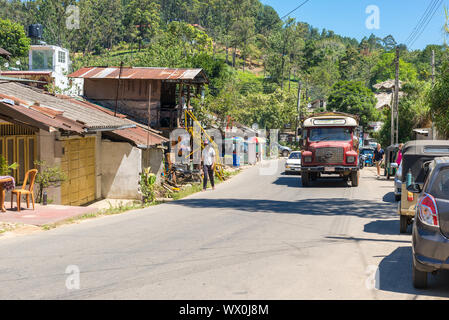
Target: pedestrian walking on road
column 208, row 157
column 379, row 154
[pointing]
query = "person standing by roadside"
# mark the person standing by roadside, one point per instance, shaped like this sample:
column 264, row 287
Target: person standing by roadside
column 378, row 158
column 208, row 158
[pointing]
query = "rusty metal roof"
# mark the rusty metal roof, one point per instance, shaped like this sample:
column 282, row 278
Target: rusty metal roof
column 26, row 73
column 192, row 75
column 141, row 137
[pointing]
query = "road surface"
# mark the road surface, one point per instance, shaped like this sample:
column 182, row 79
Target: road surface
column 256, row 237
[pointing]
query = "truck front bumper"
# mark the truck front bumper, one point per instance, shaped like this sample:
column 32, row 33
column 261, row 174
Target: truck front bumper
column 329, row 169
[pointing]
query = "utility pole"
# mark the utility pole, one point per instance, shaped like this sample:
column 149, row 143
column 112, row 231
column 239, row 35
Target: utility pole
column 396, row 101
column 433, row 83
column 298, row 113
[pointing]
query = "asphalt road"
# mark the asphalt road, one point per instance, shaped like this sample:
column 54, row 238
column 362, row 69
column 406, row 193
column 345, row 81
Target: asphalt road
column 256, row 237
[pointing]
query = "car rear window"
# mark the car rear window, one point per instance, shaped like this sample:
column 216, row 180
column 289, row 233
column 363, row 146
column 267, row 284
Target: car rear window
column 440, row 188
column 436, row 149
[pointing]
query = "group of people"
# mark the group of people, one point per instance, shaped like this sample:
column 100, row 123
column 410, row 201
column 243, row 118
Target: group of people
column 379, row 155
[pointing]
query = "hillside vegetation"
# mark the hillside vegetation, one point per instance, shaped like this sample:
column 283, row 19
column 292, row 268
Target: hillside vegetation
column 253, row 58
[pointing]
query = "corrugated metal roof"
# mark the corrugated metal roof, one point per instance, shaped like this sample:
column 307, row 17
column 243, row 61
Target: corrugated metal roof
column 25, row 73
column 140, row 137
column 194, row 75
column 91, row 118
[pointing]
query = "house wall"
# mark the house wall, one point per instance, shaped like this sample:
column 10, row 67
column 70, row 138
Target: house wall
column 154, row 158
column 121, row 165
column 47, row 150
column 133, row 97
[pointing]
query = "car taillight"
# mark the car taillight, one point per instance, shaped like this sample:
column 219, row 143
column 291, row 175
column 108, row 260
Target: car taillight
column 350, row 159
column 427, row 211
column 410, row 196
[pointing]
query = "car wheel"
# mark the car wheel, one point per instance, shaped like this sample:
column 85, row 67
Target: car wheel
column 305, row 179
column 403, row 224
column 397, row 197
column 355, row 178
column 419, row 278
column 285, row 153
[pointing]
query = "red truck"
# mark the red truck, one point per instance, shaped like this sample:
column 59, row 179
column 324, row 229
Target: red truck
column 330, row 146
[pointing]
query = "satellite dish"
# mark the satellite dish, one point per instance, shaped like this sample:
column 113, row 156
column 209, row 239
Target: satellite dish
column 6, row 65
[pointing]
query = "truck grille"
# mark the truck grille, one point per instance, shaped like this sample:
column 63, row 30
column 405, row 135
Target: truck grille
column 329, row 155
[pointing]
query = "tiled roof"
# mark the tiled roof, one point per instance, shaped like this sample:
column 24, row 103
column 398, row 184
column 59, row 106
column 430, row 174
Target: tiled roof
column 16, row 110
column 92, row 119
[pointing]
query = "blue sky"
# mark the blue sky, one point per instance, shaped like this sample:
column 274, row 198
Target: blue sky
column 347, row 17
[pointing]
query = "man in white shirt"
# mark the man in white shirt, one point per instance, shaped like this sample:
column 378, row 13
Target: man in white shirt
column 208, row 157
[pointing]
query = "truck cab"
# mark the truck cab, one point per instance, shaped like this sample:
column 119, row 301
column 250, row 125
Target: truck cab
column 330, row 146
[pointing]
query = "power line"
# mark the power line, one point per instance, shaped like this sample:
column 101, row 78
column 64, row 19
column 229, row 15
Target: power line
column 428, row 21
column 294, row 9
column 424, row 22
column 415, row 29
column 282, row 18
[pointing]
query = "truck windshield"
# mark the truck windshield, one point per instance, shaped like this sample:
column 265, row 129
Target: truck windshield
column 330, row 134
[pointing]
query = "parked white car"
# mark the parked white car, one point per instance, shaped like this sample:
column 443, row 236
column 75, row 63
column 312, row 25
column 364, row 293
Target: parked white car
column 293, row 163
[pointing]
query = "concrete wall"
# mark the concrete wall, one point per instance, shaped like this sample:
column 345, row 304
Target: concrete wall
column 46, row 152
column 120, row 168
column 154, row 158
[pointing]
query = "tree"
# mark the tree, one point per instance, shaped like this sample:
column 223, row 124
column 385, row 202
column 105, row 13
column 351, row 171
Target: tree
column 385, row 69
column 438, row 99
column 355, row 98
column 414, row 113
column 142, row 19
column 13, row 38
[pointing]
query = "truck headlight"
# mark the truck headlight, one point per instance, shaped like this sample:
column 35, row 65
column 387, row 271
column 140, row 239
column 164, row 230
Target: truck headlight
column 350, row 159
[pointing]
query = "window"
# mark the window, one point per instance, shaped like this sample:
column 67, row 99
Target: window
column 61, row 56
column 436, row 149
column 42, row 60
column 440, row 188
column 330, row 134
column 295, row 155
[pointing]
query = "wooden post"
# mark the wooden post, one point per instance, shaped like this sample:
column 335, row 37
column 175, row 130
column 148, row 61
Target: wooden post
column 181, row 95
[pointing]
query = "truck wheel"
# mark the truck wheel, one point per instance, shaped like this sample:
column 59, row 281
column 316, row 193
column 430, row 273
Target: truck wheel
column 355, row 178
column 419, row 278
column 314, row 176
column 403, row 224
column 305, row 178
